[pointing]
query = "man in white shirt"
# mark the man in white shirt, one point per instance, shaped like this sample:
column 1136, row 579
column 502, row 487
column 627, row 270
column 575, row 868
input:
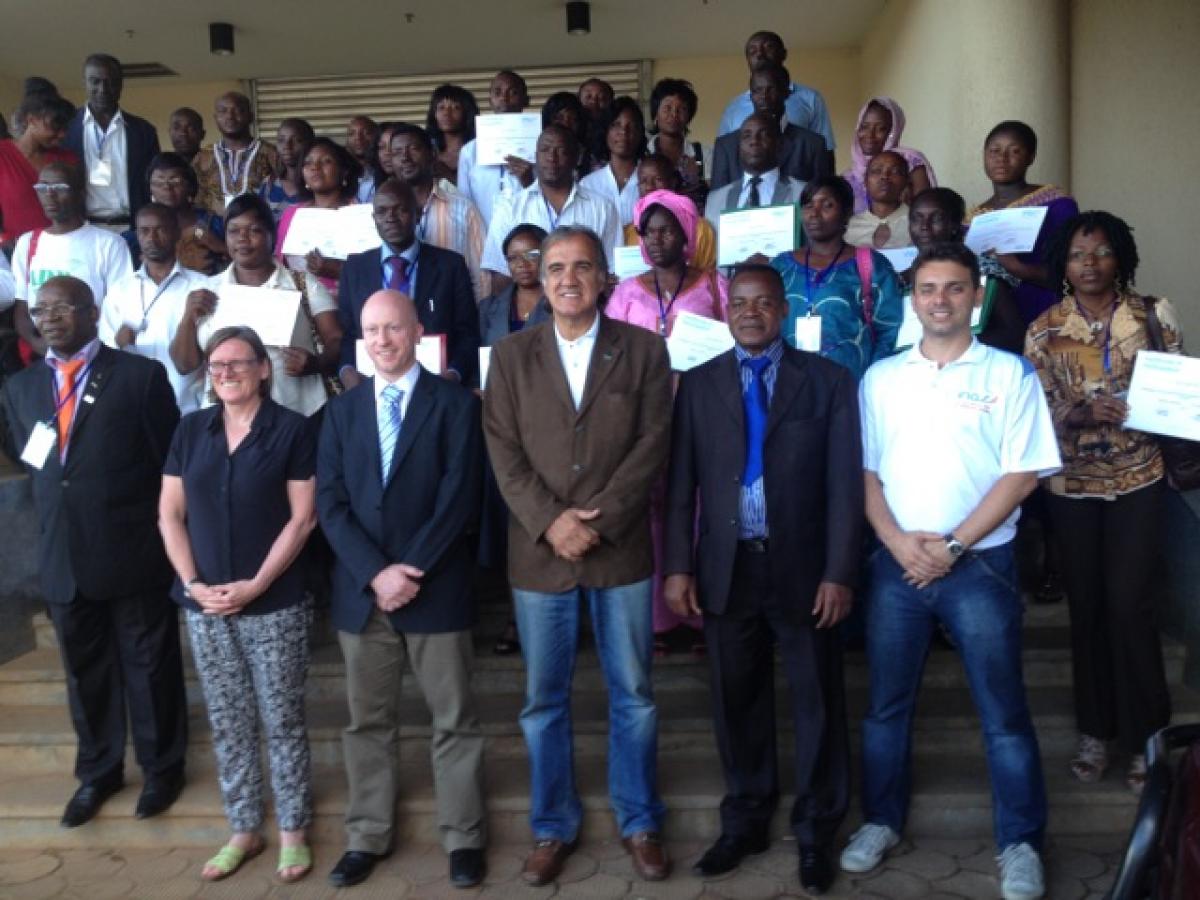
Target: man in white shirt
column 955, row 436
column 115, row 146
column 8, row 285
column 143, row 310
column 70, row 246
column 552, row 201
column 761, row 183
column 804, row 105
column 485, row 185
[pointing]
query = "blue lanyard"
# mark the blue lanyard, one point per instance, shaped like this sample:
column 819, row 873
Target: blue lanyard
column 102, row 136
column 551, row 216
column 664, row 311
column 821, row 276
column 1107, row 348
column 59, row 404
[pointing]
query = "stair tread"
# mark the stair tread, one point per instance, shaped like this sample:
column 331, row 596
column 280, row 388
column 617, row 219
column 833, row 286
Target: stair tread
column 690, row 712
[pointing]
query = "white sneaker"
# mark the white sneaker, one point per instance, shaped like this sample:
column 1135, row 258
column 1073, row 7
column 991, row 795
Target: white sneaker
column 1021, row 875
column 867, row 848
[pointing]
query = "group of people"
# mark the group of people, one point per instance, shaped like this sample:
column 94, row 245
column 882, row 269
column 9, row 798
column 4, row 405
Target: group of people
column 728, row 503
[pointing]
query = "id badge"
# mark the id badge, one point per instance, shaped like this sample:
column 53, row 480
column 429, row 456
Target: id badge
column 100, row 175
column 808, row 333
column 37, row 448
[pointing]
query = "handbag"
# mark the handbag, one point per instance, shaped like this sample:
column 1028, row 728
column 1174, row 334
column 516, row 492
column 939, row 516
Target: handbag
column 1181, row 458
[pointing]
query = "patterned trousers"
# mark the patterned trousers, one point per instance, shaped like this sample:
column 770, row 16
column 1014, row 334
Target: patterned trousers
column 253, row 666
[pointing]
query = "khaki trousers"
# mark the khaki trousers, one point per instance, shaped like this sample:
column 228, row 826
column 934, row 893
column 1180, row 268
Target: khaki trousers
column 375, row 661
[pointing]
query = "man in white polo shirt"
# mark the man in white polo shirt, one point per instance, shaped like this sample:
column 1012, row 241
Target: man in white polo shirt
column 142, row 312
column 955, row 436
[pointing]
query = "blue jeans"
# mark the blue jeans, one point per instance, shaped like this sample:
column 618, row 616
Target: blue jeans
column 979, row 603
column 549, row 628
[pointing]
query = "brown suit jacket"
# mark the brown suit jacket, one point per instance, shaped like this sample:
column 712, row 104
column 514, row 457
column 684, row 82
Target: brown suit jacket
column 548, row 457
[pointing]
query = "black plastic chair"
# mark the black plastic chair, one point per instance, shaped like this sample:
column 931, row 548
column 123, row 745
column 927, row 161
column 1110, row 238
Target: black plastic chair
column 1137, row 876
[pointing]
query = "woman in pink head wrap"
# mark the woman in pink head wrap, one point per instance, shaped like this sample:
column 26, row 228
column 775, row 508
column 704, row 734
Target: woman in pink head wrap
column 666, row 222
column 880, row 125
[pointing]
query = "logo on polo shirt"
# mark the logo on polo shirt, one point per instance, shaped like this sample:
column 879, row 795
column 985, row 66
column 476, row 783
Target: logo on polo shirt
column 980, row 402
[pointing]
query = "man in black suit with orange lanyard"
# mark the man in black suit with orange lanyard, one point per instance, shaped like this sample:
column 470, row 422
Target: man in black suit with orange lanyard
column 766, row 444
column 92, row 426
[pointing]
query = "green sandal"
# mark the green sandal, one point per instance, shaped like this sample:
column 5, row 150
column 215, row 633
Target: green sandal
column 298, row 855
column 229, row 859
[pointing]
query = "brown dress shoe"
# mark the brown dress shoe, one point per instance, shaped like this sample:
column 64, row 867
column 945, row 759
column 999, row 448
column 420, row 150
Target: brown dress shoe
column 649, row 855
column 546, row 861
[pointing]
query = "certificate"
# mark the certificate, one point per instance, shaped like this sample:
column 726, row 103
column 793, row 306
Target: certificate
column 695, row 340
column 901, row 258
column 628, row 262
column 769, row 230
column 1006, row 230
column 506, row 134
column 336, row 233
column 271, row 313
column 1164, row 395
column 431, row 354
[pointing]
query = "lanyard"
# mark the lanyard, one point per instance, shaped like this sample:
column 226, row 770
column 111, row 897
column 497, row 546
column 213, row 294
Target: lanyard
column 821, row 276
column 161, row 289
column 1092, row 323
column 664, row 311
column 423, row 222
column 551, row 216
column 102, row 136
column 239, row 168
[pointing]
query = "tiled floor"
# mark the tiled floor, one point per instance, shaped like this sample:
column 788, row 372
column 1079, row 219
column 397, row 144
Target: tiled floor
column 930, row 869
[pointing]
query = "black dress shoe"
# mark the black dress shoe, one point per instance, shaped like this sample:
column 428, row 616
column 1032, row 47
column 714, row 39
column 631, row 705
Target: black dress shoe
column 158, row 794
column 816, row 869
column 725, row 855
column 467, row 867
column 354, row 867
column 87, row 801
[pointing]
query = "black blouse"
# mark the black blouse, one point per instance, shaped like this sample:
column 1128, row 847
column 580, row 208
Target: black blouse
column 237, row 503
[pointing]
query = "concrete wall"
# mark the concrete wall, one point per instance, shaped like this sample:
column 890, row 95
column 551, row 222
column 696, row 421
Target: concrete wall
column 1135, row 125
column 835, row 73
column 10, row 96
column 958, row 68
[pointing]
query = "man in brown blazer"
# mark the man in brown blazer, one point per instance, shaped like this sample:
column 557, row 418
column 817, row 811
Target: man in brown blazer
column 577, row 415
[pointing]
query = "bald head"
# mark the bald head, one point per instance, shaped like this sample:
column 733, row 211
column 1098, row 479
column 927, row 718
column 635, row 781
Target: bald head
column 391, row 331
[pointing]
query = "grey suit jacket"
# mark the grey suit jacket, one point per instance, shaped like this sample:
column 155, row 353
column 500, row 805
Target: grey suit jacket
column 787, row 190
column 802, row 155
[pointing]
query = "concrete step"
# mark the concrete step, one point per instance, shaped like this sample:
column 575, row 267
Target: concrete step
column 951, row 796
column 36, row 678
column 40, row 738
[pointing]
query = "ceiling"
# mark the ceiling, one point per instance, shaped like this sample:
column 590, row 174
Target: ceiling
column 318, row 37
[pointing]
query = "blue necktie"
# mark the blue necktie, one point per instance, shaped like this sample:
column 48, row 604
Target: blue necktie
column 756, row 403
column 389, row 425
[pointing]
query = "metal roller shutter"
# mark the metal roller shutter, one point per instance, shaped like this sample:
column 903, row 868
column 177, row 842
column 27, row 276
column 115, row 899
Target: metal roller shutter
column 328, row 102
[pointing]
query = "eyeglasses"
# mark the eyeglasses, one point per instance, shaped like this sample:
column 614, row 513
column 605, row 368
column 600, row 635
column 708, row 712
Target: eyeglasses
column 42, row 188
column 46, row 313
column 1077, row 256
column 166, row 182
column 529, row 256
column 232, row 366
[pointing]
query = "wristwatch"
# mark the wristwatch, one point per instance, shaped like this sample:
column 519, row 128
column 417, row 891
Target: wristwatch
column 954, row 546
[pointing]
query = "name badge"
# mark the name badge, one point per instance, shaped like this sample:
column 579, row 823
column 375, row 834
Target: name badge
column 100, row 175
column 37, row 448
column 808, row 333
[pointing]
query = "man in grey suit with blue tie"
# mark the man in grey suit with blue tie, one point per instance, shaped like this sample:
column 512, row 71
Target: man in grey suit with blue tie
column 399, row 503
column 761, row 183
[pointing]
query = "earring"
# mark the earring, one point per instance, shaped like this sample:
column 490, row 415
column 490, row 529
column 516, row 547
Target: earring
column 1066, row 288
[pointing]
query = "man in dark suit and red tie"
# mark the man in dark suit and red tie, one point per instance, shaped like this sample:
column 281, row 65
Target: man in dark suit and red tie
column 399, row 481
column 93, row 426
column 766, row 450
column 437, row 280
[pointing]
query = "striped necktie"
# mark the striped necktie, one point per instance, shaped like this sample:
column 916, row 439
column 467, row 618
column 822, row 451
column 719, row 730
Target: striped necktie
column 389, row 426
column 67, row 393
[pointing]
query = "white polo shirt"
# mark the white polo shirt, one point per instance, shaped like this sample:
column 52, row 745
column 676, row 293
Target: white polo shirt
column 939, row 439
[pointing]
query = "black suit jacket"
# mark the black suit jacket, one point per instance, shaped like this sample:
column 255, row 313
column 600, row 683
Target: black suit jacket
column 443, row 294
column 141, row 145
column 98, row 512
column 802, row 155
column 424, row 514
column 812, row 466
